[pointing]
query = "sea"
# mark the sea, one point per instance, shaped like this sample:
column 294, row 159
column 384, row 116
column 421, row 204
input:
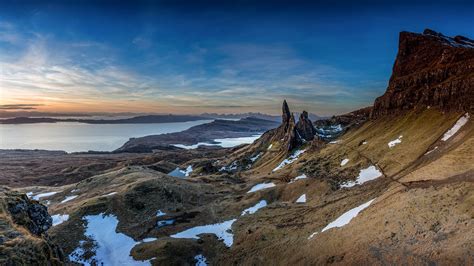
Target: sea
column 81, row 137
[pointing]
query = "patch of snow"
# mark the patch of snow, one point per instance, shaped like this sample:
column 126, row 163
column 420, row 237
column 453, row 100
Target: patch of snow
column 69, row 198
column 163, row 223
column 289, row 160
column 254, row 158
column 344, row 162
column 365, row 175
column 461, row 122
column 149, row 239
column 232, row 142
column 200, row 260
column 160, row 213
column 394, row 142
column 110, row 247
column 261, row 186
column 225, row 142
column 301, row 199
column 233, row 166
column 222, row 230
column 181, row 173
column 29, row 194
column 428, row 152
column 59, row 218
column 110, row 194
column 270, row 146
column 43, row 195
column 345, row 218
column 334, row 141
column 365, row 142
column 303, row 176
column 255, row 208
column 188, row 170
column 312, row 235
column 74, row 190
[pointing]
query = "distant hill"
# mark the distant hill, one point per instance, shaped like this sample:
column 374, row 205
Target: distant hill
column 146, row 119
column 275, row 118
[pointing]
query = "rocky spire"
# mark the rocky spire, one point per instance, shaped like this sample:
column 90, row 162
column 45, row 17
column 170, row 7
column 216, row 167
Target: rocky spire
column 285, row 117
column 305, row 127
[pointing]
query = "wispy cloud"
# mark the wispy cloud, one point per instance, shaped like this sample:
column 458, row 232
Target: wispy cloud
column 239, row 75
column 19, row 106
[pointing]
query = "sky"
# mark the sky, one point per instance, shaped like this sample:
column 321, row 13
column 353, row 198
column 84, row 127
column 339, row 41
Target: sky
column 327, row 57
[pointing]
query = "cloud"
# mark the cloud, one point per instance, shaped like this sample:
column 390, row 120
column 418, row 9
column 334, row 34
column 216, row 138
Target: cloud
column 86, row 74
column 19, row 106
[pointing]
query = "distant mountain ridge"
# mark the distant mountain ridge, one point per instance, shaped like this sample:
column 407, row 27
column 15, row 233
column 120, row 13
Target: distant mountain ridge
column 146, row 119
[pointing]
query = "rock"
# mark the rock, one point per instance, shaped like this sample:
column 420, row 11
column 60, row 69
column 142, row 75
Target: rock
column 430, row 70
column 305, row 127
column 286, row 115
column 30, row 214
column 22, row 232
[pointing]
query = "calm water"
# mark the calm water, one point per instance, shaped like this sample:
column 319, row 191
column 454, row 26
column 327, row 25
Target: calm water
column 74, row 137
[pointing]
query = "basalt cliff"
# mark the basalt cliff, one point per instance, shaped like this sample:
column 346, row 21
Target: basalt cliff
column 431, row 70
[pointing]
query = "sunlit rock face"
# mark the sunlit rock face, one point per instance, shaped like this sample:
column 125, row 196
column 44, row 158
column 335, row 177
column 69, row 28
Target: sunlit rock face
column 431, row 70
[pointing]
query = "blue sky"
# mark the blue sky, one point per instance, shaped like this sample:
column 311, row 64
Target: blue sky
column 209, row 56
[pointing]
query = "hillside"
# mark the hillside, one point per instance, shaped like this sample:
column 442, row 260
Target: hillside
column 388, row 184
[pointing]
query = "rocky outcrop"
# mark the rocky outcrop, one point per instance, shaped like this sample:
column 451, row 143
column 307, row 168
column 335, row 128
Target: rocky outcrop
column 291, row 134
column 29, row 214
column 23, row 224
column 431, row 70
column 305, row 127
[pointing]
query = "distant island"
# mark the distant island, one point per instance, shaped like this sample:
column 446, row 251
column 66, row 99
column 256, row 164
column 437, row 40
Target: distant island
column 145, row 119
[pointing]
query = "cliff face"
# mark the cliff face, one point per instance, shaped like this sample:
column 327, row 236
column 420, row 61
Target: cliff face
column 430, row 70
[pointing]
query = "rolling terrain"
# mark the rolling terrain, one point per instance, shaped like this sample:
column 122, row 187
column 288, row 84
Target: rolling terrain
column 388, row 184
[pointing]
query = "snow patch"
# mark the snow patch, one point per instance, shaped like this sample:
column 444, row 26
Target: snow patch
column 461, row 122
column 223, row 230
column 225, row 142
column 301, row 199
column 110, row 247
column 160, row 213
column 365, row 175
column 289, row 160
column 164, row 223
column 269, row 147
column 110, row 194
column 345, row 218
column 428, row 152
column 181, row 173
column 42, row 195
column 394, row 142
column 334, row 141
column 229, row 168
column 344, row 162
column 255, row 208
column 261, row 186
column 149, row 239
column 200, row 260
column 303, row 176
column 59, row 218
column 69, row 198
column 254, row 158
